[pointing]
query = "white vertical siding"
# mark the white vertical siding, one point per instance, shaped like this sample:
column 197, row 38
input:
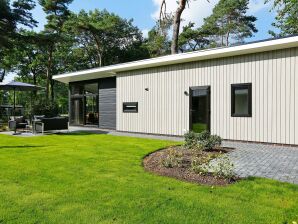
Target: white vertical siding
column 164, row 109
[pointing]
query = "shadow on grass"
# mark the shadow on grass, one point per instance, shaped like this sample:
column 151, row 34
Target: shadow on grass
column 81, row 133
column 20, row 146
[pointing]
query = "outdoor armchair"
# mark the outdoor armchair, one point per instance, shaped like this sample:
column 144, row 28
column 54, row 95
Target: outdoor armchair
column 17, row 123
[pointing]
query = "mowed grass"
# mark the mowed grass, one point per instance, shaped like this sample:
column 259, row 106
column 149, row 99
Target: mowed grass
column 89, row 178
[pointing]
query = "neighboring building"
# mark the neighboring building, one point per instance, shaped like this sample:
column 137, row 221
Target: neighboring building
column 247, row 92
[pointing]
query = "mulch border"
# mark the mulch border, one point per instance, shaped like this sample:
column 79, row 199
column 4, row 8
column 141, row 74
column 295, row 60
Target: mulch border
column 151, row 163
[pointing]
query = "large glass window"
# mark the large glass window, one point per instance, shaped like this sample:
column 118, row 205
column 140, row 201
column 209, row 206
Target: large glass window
column 91, row 88
column 91, row 109
column 84, row 103
column 241, row 100
column 76, row 89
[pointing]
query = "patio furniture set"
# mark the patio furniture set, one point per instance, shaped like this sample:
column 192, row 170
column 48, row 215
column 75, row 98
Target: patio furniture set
column 39, row 124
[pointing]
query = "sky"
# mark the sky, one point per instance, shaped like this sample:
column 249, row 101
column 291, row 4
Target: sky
column 145, row 12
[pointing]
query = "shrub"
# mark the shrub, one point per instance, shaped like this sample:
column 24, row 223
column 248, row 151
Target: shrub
column 4, row 128
column 199, row 164
column 190, row 140
column 206, row 141
column 173, row 158
column 201, row 141
column 203, row 136
column 220, row 167
column 47, row 109
column 224, row 167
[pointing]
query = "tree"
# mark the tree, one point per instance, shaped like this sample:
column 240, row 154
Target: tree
column 105, row 38
column 31, row 66
column 286, row 18
column 176, row 25
column 12, row 14
column 29, row 57
column 16, row 13
column 176, row 21
column 57, row 13
column 192, row 39
column 158, row 43
column 229, row 21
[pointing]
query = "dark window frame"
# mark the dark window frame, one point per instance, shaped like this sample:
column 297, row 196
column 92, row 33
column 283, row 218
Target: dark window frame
column 125, row 104
column 234, row 87
column 82, row 95
column 191, row 89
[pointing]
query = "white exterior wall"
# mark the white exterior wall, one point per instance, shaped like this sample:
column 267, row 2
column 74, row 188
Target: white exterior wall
column 164, row 109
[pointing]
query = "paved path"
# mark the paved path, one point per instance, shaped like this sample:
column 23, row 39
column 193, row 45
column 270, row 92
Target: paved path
column 275, row 162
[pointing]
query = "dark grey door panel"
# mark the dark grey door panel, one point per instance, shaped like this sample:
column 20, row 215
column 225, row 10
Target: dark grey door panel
column 107, row 103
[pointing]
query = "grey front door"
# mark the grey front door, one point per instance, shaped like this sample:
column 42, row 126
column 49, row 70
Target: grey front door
column 199, row 108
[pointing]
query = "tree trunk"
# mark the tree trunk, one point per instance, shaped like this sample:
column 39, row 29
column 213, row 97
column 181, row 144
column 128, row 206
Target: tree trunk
column 2, row 75
column 227, row 38
column 52, row 91
column 228, row 32
column 34, row 81
column 99, row 57
column 98, row 50
column 49, row 75
column 176, row 26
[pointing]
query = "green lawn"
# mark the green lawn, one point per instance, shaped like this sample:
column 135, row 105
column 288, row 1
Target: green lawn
column 99, row 179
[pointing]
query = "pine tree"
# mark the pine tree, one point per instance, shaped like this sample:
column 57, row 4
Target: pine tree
column 12, row 14
column 191, row 39
column 57, row 13
column 229, row 21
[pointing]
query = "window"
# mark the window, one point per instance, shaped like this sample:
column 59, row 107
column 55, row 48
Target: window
column 130, row 107
column 76, row 89
column 241, row 100
column 91, row 88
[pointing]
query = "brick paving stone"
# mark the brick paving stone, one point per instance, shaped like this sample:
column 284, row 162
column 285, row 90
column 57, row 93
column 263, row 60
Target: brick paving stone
column 275, row 162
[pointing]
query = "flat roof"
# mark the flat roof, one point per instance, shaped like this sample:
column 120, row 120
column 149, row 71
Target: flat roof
column 212, row 53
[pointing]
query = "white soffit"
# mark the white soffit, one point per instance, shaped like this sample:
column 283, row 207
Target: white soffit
column 112, row 70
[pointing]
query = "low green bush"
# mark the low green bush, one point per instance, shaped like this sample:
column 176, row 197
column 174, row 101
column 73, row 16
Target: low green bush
column 220, row 167
column 201, row 141
column 3, row 128
column 190, row 140
column 46, row 109
column 224, row 167
column 203, row 136
column 208, row 142
column 199, row 164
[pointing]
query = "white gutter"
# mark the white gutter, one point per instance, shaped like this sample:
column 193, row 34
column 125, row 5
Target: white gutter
column 113, row 70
